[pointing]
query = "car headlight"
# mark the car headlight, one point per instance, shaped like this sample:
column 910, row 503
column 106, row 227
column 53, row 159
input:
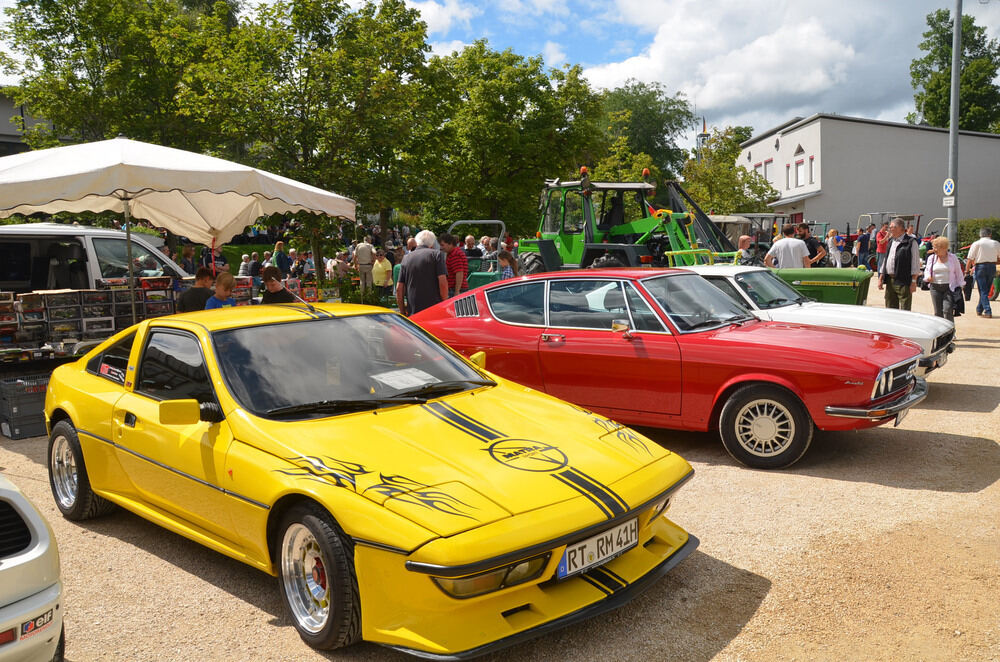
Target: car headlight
column 493, row 580
column 659, row 508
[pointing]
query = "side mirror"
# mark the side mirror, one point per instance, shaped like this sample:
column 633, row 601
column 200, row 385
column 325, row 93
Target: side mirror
column 622, row 327
column 479, row 358
column 179, row 412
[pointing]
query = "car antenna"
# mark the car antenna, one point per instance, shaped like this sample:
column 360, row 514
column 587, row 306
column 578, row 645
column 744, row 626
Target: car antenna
column 308, row 305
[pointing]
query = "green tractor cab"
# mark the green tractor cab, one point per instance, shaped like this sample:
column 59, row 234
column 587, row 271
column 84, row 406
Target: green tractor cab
column 829, row 284
column 583, row 223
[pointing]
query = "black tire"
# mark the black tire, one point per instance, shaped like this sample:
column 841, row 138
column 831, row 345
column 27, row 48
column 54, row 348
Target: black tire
column 846, row 259
column 529, row 263
column 68, row 478
column 60, row 654
column 765, row 427
column 314, row 554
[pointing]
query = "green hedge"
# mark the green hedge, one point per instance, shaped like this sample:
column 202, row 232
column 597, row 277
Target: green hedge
column 968, row 229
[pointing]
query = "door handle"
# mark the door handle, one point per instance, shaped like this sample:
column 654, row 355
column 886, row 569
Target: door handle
column 129, row 419
column 550, row 337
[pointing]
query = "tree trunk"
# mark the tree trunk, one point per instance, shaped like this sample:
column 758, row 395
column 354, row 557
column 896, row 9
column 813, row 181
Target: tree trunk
column 383, row 223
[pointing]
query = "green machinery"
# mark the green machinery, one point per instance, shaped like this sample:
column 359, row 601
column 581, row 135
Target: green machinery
column 583, row 222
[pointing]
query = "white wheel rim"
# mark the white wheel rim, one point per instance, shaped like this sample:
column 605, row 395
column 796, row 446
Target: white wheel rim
column 62, row 464
column 765, row 428
column 305, row 575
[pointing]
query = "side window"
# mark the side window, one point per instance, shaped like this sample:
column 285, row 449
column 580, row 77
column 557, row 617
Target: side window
column 519, row 304
column 112, row 258
column 574, row 221
column 172, row 367
column 727, row 287
column 642, row 316
column 112, row 363
column 553, row 213
column 586, row 304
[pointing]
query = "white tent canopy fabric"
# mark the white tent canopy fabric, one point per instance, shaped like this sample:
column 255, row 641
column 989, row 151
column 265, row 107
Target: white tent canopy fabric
column 199, row 197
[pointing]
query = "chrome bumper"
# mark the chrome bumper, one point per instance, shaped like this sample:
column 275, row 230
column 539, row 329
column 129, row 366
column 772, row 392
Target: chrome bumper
column 934, row 361
column 898, row 405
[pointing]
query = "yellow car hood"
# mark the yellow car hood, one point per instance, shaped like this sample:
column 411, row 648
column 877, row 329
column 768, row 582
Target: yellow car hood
column 465, row 460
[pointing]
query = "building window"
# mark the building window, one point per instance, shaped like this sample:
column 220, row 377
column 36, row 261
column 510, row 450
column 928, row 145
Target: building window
column 788, row 175
column 812, row 169
column 756, row 168
column 800, row 173
column 768, row 169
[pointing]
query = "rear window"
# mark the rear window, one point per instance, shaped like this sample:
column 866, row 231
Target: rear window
column 15, row 261
column 519, row 304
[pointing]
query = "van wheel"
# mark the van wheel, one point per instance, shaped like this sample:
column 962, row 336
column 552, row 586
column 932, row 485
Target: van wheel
column 765, row 427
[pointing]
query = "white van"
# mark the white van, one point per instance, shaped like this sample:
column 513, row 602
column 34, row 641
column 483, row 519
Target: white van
column 53, row 256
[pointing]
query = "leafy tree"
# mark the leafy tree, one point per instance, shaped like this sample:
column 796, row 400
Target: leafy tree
column 654, row 122
column 99, row 68
column 721, row 186
column 620, row 164
column 930, row 75
column 513, row 124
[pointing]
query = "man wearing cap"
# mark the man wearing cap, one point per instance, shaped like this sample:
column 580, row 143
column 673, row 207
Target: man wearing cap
column 274, row 289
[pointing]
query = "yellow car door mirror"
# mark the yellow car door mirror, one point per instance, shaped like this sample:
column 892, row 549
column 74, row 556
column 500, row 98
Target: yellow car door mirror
column 479, row 358
column 180, row 412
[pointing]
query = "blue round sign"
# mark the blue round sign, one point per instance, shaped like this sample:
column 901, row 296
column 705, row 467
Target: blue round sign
column 949, row 186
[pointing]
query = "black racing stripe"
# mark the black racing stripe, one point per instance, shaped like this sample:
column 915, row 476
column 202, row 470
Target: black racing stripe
column 471, row 420
column 613, row 582
column 595, row 584
column 462, row 421
column 613, row 574
column 597, row 502
column 611, row 501
column 610, row 491
column 452, row 422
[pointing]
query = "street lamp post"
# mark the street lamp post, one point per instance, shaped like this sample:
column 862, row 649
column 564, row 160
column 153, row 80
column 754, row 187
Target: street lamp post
column 956, row 75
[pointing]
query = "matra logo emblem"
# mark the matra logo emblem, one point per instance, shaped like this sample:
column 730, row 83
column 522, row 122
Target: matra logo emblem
column 527, row 455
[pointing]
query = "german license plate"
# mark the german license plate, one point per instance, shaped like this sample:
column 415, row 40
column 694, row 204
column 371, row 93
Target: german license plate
column 598, row 549
column 900, row 416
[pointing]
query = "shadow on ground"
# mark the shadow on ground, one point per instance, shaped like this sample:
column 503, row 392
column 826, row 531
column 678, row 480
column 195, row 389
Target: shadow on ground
column 961, row 397
column 894, row 457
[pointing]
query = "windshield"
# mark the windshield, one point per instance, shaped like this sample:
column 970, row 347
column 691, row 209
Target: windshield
column 767, row 290
column 692, row 303
column 328, row 366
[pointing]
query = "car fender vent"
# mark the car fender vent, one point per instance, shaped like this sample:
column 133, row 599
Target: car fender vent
column 15, row 536
column 467, row 307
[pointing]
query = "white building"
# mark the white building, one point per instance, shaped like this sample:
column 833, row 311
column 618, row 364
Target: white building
column 833, row 168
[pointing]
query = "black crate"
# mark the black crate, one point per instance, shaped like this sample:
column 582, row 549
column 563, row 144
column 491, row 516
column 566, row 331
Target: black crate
column 24, row 407
column 23, row 429
column 25, row 385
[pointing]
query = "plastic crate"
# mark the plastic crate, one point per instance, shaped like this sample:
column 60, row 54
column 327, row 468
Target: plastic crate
column 23, row 407
column 98, row 310
column 29, row 316
column 25, row 385
column 23, row 430
column 31, row 301
column 57, row 298
column 156, row 282
column 158, row 308
column 64, row 330
column 96, row 296
column 158, row 295
column 63, row 313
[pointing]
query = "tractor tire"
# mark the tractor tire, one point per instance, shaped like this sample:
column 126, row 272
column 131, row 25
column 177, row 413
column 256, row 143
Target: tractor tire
column 606, row 262
column 530, row 263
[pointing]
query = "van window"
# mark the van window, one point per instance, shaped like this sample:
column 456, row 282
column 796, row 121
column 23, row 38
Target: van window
column 15, row 262
column 113, row 259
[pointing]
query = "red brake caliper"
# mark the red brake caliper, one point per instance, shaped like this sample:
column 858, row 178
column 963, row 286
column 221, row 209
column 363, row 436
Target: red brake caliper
column 318, row 573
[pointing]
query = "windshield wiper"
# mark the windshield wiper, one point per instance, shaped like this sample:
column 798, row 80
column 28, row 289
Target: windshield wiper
column 342, row 406
column 776, row 300
column 732, row 319
column 443, row 388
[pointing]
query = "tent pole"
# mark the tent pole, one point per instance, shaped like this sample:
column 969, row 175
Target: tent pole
column 128, row 252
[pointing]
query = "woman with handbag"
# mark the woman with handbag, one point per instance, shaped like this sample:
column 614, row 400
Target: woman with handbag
column 943, row 277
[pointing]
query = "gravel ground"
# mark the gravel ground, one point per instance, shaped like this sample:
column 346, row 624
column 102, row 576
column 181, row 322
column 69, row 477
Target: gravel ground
column 878, row 545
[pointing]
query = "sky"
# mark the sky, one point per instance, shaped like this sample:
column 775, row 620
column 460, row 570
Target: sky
column 738, row 62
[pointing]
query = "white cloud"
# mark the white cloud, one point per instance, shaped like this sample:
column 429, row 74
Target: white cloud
column 442, row 16
column 553, row 53
column 443, row 48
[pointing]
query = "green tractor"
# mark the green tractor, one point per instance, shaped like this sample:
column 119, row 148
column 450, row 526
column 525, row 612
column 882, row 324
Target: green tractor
column 584, row 223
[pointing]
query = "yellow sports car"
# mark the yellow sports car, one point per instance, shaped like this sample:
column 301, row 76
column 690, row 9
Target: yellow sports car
column 400, row 493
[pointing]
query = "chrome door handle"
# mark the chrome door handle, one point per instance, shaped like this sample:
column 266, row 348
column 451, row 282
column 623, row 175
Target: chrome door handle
column 549, row 337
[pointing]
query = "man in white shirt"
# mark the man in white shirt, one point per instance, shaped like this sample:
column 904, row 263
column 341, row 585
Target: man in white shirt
column 982, row 263
column 364, row 258
column 788, row 252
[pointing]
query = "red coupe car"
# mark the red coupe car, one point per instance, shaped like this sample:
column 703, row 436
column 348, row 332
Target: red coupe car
column 665, row 348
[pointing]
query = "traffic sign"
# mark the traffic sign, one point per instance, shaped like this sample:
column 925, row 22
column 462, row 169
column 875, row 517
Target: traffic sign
column 949, row 188
column 948, row 201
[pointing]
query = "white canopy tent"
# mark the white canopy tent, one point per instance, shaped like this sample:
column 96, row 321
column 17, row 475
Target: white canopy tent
column 205, row 199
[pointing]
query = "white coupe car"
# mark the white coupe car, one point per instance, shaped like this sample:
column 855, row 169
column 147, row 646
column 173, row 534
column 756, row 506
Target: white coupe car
column 31, row 595
column 770, row 298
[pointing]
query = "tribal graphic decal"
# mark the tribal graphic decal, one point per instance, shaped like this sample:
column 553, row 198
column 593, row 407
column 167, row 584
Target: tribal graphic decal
column 343, row 474
column 624, row 434
column 346, row 474
column 410, row 491
column 527, row 455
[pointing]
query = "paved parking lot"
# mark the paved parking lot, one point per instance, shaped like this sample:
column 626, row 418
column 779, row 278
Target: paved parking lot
column 879, row 545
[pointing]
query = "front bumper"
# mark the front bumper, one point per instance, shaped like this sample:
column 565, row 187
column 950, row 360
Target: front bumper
column 31, row 643
column 928, row 364
column 884, row 411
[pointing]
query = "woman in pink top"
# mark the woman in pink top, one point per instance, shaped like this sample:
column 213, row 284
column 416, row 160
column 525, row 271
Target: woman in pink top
column 943, row 274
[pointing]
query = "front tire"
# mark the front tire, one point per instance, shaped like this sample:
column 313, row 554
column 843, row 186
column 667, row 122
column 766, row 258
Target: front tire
column 68, row 476
column 765, row 427
column 529, row 263
column 316, row 569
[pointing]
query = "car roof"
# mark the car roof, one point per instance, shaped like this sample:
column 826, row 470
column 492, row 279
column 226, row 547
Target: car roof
column 628, row 273
column 723, row 269
column 246, row 316
column 61, row 229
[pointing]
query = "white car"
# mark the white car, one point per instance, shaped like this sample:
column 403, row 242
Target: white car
column 31, row 593
column 770, row 298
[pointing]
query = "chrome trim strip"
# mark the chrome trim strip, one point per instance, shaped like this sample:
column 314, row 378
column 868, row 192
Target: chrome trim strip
column 538, row 548
column 177, row 471
column 918, row 393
